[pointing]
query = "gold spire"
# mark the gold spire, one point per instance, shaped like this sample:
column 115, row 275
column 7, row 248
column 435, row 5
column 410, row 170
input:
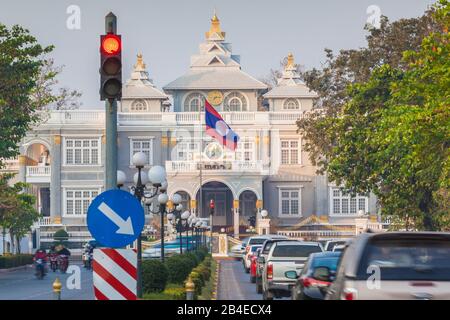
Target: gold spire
column 215, row 28
column 140, row 62
column 290, row 61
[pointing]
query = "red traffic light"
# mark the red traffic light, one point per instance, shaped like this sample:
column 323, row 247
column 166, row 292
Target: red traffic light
column 111, row 44
column 211, row 204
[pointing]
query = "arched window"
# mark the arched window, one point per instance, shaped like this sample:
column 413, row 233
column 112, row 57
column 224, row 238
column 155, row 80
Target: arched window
column 235, row 101
column 139, row 106
column 193, row 102
column 291, row 104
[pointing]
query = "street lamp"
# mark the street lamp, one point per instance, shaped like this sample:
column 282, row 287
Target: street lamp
column 264, row 213
column 121, row 178
column 178, row 219
column 156, row 176
column 163, row 198
column 198, row 239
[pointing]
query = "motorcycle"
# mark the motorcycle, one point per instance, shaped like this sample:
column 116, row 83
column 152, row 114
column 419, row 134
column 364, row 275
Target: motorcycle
column 40, row 268
column 54, row 262
column 88, row 262
column 63, row 262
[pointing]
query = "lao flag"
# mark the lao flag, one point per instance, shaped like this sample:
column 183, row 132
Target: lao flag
column 219, row 129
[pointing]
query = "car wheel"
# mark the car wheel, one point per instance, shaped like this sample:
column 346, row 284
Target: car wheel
column 294, row 295
column 252, row 279
column 258, row 287
column 266, row 296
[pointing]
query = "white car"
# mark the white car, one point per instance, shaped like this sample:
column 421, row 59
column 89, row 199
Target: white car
column 256, row 240
column 247, row 258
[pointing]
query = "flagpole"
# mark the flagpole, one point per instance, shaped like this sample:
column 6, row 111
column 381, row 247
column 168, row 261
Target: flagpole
column 201, row 162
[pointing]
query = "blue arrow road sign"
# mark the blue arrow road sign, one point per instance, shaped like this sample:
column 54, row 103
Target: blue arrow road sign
column 115, row 218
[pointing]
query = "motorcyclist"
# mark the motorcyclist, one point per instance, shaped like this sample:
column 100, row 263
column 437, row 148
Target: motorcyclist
column 63, row 258
column 53, row 255
column 64, row 251
column 40, row 254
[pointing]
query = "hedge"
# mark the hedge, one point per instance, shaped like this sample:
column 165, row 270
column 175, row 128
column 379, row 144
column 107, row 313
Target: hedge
column 179, row 266
column 172, row 292
column 12, row 261
column 175, row 270
column 154, row 276
column 201, row 274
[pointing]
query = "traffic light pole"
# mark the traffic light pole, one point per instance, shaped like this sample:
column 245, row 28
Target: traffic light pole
column 111, row 144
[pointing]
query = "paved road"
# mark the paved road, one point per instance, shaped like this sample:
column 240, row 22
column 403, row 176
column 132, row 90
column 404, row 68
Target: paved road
column 23, row 285
column 234, row 283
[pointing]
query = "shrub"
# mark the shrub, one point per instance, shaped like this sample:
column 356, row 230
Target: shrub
column 203, row 271
column 176, row 293
column 207, row 262
column 12, row 261
column 60, row 236
column 179, row 267
column 193, row 257
column 154, row 276
column 198, row 281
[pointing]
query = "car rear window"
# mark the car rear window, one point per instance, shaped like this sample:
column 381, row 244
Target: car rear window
column 412, row 259
column 329, row 262
column 267, row 247
column 331, row 245
column 256, row 241
column 254, row 248
column 298, row 251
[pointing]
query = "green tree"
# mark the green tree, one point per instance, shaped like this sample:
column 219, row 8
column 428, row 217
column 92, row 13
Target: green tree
column 391, row 134
column 20, row 64
column 384, row 46
column 17, row 212
column 27, row 84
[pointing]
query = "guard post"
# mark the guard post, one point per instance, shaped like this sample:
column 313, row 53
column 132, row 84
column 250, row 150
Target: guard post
column 57, row 285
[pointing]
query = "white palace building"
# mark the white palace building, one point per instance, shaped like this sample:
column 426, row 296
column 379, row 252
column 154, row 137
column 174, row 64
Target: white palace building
column 63, row 157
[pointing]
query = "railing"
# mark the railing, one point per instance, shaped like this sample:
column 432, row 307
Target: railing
column 38, row 171
column 97, row 117
column 45, row 221
column 214, row 166
column 316, row 233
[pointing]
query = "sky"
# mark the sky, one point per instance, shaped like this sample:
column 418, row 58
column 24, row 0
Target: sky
column 168, row 32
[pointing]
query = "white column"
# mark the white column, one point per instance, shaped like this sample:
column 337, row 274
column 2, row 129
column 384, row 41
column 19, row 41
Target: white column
column 236, row 218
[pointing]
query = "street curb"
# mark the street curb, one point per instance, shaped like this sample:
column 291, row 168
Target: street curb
column 16, row 268
column 216, row 285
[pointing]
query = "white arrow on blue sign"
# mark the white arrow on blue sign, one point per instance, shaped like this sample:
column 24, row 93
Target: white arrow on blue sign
column 115, row 218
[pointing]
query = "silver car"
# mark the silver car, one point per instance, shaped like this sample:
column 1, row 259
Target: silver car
column 394, row 266
column 285, row 256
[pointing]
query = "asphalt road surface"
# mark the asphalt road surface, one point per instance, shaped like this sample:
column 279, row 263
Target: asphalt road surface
column 234, row 283
column 23, row 285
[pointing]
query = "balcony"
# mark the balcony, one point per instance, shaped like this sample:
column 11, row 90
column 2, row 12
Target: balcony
column 96, row 118
column 212, row 167
column 38, row 174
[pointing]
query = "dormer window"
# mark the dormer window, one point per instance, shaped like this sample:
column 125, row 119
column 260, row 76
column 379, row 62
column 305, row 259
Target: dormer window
column 291, row 104
column 193, row 102
column 139, row 106
column 235, row 101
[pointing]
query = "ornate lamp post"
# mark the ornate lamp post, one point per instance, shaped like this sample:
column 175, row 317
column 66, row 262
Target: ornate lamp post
column 157, row 177
column 176, row 217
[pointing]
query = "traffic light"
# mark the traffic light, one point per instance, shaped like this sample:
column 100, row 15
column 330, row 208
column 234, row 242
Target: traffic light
column 211, row 207
column 110, row 66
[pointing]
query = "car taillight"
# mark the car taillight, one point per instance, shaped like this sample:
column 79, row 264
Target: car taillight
column 270, row 271
column 311, row 282
column 350, row 294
